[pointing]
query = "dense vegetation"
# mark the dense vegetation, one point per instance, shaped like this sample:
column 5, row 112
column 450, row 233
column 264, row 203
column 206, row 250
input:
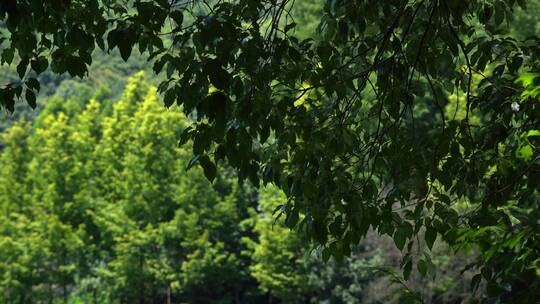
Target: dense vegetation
column 415, row 120
column 96, row 207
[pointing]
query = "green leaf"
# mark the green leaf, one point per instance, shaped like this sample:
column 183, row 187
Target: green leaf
column 430, row 236
column 525, row 152
column 22, row 66
column 515, row 64
column 33, row 83
column 124, row 39
column 532, row 133
column 527, row 79
column 292, row 218
column 158, row 64
column 400, row 237
column 170, row 97
column 31, row 98
column 39, row 65
column 7, row 55
column 185, row 136
column 208, row 167
column 289, row 26
column 177, row 16
column 76, row 66
column 7, row 99
column 217, row 75
column 193, row 161
column 125, row 47
column 407, row 270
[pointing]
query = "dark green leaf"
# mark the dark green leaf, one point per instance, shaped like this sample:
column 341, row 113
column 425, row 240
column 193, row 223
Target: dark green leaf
column 217, row 75
column 400, row 238
column 407, row 270
column 33, row 83
column 40, row 64
column 430, row 236
column 289, row 26
column 208, row 167
column 177, row 16
column 193, row 161
column 31, row 98
column 170, row 97
column 22, row 66
column 7, row 55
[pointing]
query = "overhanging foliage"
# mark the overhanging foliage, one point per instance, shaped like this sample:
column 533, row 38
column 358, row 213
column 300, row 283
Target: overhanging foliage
column 354, row 126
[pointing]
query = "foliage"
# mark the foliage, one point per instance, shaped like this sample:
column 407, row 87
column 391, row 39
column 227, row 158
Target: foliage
column 97, row 205
column 277, row 264
column 370, row 147
column 108, row 73
column 121, row 216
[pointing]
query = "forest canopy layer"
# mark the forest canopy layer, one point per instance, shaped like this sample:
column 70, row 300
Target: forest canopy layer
column 414, row 119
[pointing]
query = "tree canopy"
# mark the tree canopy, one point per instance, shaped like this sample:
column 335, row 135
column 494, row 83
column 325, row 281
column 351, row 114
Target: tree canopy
column 406, row 117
